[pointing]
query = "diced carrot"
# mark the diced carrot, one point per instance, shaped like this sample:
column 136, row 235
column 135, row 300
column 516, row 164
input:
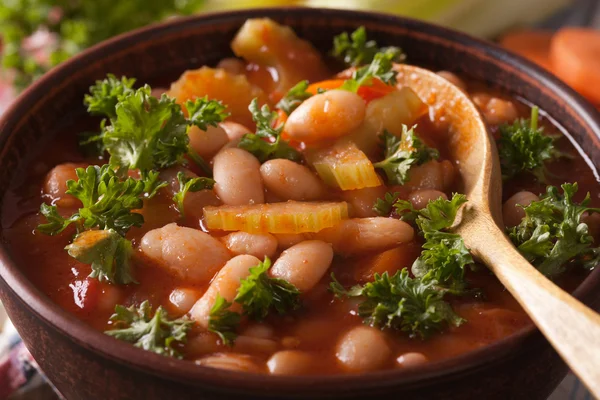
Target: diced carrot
column 533, row 45
column 388, row 261
column 575, row 58
column 370, row 92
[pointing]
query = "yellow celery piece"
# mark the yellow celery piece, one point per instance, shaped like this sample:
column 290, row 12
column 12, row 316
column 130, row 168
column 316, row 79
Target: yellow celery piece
column 288, row 217
column 345, row 166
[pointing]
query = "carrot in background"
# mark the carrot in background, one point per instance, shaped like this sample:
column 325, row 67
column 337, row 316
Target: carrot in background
column 533, row 45
column 575, row 58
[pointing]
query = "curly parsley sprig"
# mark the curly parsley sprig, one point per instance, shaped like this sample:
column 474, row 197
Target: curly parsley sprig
column 156, row 333
column 380, row 68
column 552, row 234
column 189, row 184
column 294, row 97
column 355, row 49
column 266, row 143
column 524, row 147
column 401, row 153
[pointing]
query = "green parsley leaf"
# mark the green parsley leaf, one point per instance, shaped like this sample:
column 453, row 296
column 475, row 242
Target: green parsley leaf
column 203, row 112
column 157, row 333
column 440, row 213
column 223, row 321
column 105, row 95
column 552, row 233
column 266, row 143
column 107, row 252
column 380, row 68
column 294, row 97
column 147, row 133
column 402, row 303
column 355, row 49
column 383, row 207
column 259, row 293
column 523, row 147
column 189, row 184
column 402, row 153
column 107, row 201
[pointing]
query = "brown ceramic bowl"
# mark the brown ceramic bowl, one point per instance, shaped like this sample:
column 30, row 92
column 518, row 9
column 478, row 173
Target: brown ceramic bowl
column 86, row 364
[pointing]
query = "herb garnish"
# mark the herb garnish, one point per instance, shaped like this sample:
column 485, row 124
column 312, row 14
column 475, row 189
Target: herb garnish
column 294, row 97
column 156, row 333
column 355, row 49
column 552, row 233
column 223, row 321
column 266, row 143
column 383, row 206
column 380, row 68
column 523, row 147
column 189, row 184
column 401, row 153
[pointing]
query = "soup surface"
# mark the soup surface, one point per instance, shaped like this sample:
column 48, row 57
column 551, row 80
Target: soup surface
column 293, row 221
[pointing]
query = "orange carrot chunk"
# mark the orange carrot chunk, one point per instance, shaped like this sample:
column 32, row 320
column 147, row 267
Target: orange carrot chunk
column 533, row 45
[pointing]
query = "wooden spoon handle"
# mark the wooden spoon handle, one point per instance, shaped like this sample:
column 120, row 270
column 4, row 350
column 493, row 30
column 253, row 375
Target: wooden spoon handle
column 571, row 327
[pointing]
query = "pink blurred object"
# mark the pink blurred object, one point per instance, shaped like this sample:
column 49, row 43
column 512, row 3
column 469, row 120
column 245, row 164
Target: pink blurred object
column 7, row 93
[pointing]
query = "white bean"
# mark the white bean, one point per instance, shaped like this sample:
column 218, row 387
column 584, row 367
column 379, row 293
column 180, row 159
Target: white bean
column 234, row 130
column 408, row 360
column 362, row 235
column 193, row 202
column 259, row 330
column 291, row 181
column 361, row 201
column 254, row 345
column 431, row 175
column 511, row 212
column 55, row 185
column 325, row 116
column 183, row 299
column 259, row 245
column 232, row 362
column 224, row 284
column 363, row 349
column 187, row 253
column 286, row 240
column 304, row 264
column 207, row 143
column 237, row 176
column 290, row 362
column 420, row 198
column 495, row 110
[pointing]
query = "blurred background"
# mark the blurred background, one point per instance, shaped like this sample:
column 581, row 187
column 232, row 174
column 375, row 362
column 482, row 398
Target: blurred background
column 36, row 35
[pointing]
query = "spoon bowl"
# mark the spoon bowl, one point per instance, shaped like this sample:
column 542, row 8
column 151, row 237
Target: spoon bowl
column 572, row 328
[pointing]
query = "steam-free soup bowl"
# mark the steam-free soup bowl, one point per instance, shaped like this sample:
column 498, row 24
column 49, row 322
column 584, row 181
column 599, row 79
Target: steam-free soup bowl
column 85, row 364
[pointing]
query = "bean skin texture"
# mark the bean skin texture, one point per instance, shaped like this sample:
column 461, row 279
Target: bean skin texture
column 237, row 176
column 259, row 245
column 420, row 198
column 495, row 110
column 290, row 362
column 207, row 143
column 193, row 202
column 408, row 360
column 361, row 201
column 304, row 264
column 181, row 300
column 287, row 240
column 234, row 132
column 224, row 284
column 55, row 185
column 326, row 116
column 363, row 349
column 232, row 362
column 363, row 235
column 511, row 212
column 291, row 181
column 432, row 175
column 187, row 253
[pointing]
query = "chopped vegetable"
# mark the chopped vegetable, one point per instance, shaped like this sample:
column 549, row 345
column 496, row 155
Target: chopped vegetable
column 288, row 217
column 344, row 166
column 156, row 333
column 189, row 184
column 383, row 207
column 444, row 257
column 380, row 68
column 294, row 97
column 266, row 143
column 106, row 94
column 402, row 153
column 223, row 321
column 259, row 293
column 107, row 252
column 107, row 200
column 203, row 112
column 524, row 147
column 355, row 49
column 402, row 303
column 552, row 233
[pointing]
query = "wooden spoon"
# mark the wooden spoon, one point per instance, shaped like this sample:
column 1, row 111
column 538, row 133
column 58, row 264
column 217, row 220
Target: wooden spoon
column 571, row 327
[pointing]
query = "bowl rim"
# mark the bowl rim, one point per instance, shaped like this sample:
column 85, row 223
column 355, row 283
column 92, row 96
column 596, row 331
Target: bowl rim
column 178, row 370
